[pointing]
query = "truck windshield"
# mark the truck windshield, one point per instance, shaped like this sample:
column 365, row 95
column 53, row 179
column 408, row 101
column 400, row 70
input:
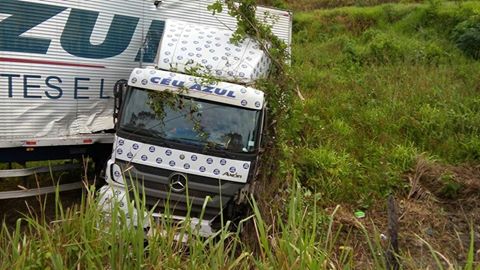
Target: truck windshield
column 190, row 121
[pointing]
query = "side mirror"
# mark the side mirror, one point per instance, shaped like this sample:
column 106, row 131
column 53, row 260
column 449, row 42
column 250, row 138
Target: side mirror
column 118, row 89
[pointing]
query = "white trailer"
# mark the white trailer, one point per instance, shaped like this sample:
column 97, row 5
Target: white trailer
column 59, row 61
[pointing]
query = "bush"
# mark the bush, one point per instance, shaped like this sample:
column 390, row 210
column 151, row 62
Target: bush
column 466, row 36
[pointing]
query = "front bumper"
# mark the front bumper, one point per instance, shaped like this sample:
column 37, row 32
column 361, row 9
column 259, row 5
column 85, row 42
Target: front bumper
column 112, row 194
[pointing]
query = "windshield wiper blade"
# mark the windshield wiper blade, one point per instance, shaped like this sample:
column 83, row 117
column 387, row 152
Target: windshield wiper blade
column 218, row 147
column 149, row 133
column 185, row 140
column 139, row 131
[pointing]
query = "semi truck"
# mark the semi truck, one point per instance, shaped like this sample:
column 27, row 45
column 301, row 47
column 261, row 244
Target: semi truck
column 202, row 141
column 60, row 60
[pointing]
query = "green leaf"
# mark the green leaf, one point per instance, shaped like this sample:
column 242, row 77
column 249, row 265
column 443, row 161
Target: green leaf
column 215, row 7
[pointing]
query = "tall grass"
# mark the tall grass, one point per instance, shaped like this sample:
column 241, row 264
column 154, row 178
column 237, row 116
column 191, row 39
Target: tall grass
column 84, row 237
column 383, row 85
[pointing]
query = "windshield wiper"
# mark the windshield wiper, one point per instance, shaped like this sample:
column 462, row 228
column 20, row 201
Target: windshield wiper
column 219, row 148
column 148, row 133
column 136, row 130
column 216, row 146
column 185, row 140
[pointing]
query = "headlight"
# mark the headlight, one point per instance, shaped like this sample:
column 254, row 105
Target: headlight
column 116, row 173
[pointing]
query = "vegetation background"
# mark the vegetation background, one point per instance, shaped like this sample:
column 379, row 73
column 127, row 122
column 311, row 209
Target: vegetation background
column 392, row 107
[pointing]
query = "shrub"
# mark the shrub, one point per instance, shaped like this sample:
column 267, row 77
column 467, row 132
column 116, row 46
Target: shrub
column 466, row 36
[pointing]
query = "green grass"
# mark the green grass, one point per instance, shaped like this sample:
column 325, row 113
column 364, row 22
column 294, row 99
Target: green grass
column 303, row 236
column 85, row 238
column 383, row 85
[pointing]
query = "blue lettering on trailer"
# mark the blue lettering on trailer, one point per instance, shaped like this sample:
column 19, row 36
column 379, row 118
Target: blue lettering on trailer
column 52, row 86
column 27, row 86
column 75, row 37
column 152, row 42
column 10, row 82
column 24, row 16
column 31, row 85
column 78, row 87
column 102, row 83
column 78, row 30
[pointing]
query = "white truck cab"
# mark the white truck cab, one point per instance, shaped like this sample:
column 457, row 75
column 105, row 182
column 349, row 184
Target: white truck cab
column 202, row 142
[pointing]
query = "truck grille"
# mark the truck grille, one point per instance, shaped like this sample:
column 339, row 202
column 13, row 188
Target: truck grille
column 154, row 185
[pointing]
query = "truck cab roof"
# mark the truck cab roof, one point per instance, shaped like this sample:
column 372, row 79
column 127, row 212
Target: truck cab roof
column 207, row 50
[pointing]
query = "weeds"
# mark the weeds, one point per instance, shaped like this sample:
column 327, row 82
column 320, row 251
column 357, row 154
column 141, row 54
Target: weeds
column 86, row 238
column 390, row 95
column 304, row 236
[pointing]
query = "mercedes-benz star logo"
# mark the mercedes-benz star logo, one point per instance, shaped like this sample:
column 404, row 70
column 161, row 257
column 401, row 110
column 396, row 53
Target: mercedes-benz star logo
column 178, row 182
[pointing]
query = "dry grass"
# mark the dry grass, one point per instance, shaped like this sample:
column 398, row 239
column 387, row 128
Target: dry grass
column 429, row 218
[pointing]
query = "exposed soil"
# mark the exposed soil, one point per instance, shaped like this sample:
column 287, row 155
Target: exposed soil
column 441, row 208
